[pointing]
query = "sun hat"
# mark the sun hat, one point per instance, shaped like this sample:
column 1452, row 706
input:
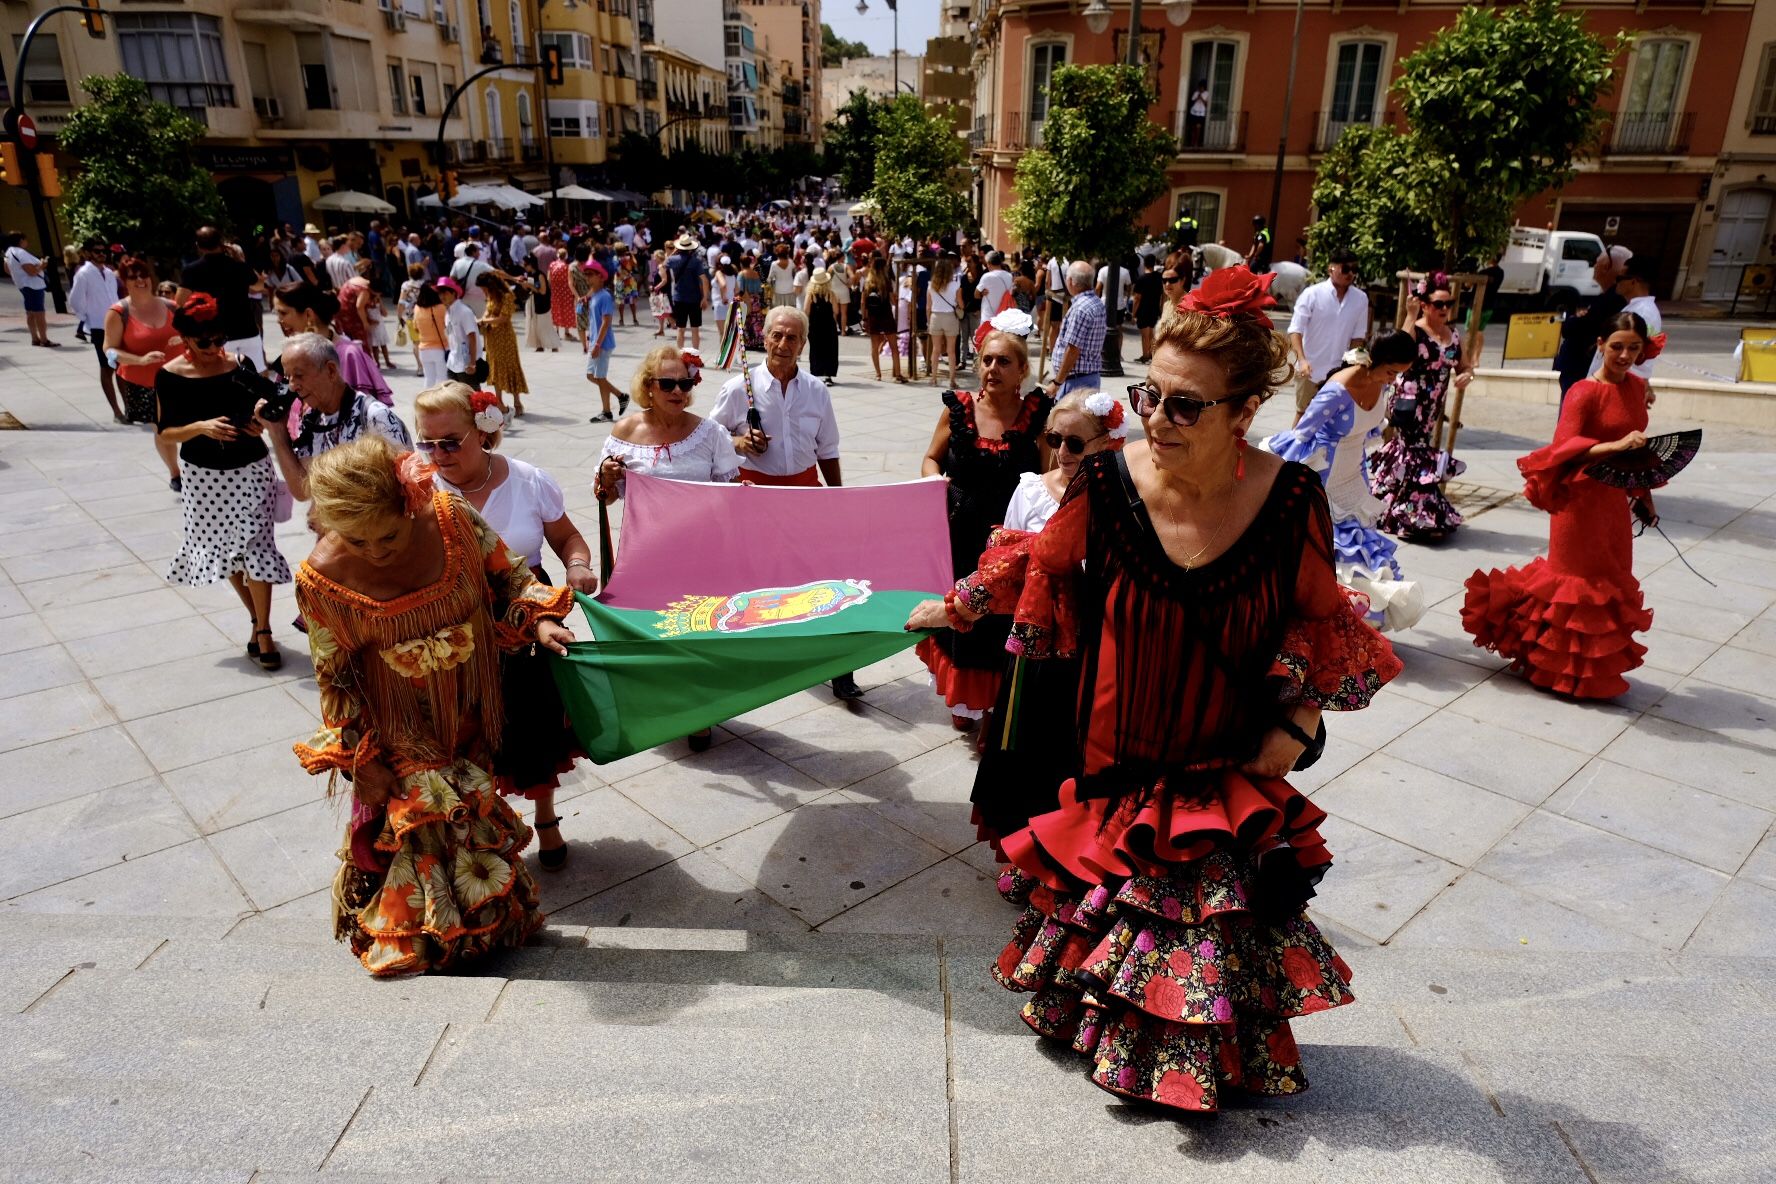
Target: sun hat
column 311, row 228
column 686, row 243
column 592, row 266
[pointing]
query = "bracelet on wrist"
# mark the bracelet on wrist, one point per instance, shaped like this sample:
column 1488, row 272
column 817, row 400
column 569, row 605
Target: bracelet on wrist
column 579, row 563
column 1295, row 732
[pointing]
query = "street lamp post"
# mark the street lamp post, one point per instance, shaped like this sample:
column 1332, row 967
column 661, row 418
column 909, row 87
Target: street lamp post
column 894, row 7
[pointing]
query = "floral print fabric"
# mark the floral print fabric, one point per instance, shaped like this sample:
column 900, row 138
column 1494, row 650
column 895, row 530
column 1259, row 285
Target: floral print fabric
column 1408, row 471
column 1174, row 987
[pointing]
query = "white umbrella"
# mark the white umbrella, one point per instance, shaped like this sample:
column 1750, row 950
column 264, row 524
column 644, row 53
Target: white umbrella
column 862, row 208
column 781, row 204
column 350, row 201
column 580, row 193
column 510, row 197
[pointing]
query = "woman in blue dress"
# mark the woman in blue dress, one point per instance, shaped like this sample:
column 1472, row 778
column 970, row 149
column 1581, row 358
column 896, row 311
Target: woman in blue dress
column 1330, row 438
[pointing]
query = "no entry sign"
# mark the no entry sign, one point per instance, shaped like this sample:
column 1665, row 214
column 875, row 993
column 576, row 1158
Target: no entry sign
column 26, row 132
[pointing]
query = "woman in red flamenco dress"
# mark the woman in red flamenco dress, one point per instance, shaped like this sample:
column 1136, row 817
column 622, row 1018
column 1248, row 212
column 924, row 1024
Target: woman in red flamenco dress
column 1165, row 935
column 1567, row 621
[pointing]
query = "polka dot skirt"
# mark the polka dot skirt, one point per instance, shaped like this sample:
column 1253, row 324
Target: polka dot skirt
column 228, row 525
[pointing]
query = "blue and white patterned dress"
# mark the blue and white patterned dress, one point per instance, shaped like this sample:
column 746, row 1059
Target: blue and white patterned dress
column 1330, row 439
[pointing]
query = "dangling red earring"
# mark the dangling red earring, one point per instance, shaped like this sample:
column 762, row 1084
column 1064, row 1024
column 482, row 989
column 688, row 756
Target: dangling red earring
column 1239, row 442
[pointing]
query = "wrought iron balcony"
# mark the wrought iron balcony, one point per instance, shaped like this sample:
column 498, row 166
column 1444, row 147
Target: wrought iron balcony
column 1650, row 133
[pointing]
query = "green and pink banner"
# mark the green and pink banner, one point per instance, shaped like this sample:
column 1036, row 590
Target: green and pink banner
column 728, row 597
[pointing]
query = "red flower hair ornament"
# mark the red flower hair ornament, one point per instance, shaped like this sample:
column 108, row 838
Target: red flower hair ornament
column 200, row 307
column 489, row 415
column 1231, row 293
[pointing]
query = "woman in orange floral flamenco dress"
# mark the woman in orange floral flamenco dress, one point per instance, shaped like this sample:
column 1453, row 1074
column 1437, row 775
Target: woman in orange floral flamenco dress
column 410, row 598
column 1165, row 935
column 1568, row 621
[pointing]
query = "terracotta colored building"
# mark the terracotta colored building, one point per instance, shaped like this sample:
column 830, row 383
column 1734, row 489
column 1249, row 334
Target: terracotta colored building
column 1220, row 68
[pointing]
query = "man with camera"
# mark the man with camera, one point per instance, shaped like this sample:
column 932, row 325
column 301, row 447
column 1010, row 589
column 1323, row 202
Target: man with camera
column 336, row 414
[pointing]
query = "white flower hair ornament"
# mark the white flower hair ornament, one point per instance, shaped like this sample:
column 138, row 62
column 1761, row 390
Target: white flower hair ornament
column 488, row 416
column 1357, row 356
column 1014, row 321
column 1103, row 407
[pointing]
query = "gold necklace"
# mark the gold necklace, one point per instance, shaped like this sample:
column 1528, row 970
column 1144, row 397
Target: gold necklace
column 1190, row 563
column 491, row 466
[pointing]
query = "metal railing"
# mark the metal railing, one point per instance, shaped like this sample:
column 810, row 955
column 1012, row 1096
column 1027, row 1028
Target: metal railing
column 1650, row 133
column 649, row 88
column 981, row 135
column 190, row 96
column 1328, row 127
column 1209, row 133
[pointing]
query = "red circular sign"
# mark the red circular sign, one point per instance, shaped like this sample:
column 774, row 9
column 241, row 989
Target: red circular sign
column 27, row 132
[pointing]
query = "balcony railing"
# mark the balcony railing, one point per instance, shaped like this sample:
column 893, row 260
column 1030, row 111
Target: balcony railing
column 1212, row 133
column 646, row 29
column 982, row 133
column 530, row 149
column 524, row 55
column 192, row 96
column 1020, row 131
column 1650, row 133
column 1328, row 127
column 465, row 151
column 650, row 89
column 487, row 151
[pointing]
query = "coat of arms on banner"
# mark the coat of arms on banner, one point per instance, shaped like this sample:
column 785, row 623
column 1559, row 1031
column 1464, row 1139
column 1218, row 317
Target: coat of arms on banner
column 743, row 612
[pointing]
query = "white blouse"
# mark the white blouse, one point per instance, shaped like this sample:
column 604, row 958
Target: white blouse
column 1031, row 506
column 520, row 506
column 707, row 454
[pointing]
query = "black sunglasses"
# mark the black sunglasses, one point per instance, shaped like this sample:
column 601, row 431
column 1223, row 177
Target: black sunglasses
column 1179, row 410
column 1170, row 279
column 676, row 384
column 1441, row 303
column 207, row 342
column 1074, row 444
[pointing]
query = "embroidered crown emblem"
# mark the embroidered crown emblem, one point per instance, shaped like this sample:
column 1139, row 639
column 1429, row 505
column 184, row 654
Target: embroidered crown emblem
column 743, row 612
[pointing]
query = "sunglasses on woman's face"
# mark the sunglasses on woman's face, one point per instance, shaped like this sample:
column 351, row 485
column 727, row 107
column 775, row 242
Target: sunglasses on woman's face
column 1074, row 444
column 676, row 384
column 1182, row 412
column 1443, row 304
column 449, row 446
column 1170, row 279
column 206, row 342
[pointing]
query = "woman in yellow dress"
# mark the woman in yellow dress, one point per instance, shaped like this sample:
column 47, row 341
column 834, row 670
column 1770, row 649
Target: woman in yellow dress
column 409, row 598
column 505, row 368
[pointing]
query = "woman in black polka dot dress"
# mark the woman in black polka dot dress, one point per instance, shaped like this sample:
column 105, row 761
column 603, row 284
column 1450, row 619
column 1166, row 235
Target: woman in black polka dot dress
column 204, row 403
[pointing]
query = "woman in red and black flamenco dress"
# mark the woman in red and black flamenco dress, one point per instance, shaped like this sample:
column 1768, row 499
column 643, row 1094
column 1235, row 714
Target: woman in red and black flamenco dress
column 1166, row 936
column 984, row 442
column 1568, row 620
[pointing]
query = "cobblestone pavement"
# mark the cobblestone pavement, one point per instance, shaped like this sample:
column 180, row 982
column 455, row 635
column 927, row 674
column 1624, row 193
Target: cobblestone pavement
column 1558, row 913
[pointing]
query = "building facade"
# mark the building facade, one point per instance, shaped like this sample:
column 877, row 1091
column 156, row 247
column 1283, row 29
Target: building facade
column 691, row 103
column 304, row 97
column 874, row 76
column 789, row 30
column 1670, row 110
column 599, row 97
column 1736, row 227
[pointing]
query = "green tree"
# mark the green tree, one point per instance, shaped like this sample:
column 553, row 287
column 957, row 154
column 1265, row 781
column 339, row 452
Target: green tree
column 851, row 137
column 139, row 182
column 1363, row 198
column 1499, row 106
column 640, row 162
column 1101, row 164
column 920, row 176
column 835, row 50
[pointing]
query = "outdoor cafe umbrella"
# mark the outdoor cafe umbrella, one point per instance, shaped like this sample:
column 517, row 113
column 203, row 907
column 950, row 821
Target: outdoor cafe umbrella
column 580, row 193
column 350, row 201
column 863, row 207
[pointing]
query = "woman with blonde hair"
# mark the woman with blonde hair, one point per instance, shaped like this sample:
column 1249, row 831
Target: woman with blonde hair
column 412, row 708
column 984, row 442
column 821, row 307
column 459, row 430
column 663, row 438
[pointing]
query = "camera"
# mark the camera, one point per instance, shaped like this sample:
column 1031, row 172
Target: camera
column 278, row 402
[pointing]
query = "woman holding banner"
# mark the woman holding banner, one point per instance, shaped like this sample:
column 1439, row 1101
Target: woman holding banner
column 459, row 430
column 984, row 443
column 1166, row 936
column 410, row 597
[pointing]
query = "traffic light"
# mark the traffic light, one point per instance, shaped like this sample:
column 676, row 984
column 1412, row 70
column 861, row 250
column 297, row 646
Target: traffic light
column 552, row 74
column 47, row 177
column 9, row 163
column 92, row 18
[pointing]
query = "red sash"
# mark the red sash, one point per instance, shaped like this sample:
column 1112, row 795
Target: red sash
column 808, row 476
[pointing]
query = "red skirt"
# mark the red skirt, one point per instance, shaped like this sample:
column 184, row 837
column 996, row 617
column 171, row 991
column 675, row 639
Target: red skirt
column 1573, row 635
column 808, row 477
column 1149, row 946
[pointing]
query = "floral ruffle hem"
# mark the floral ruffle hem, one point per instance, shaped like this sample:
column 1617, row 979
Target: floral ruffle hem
column 1407, row 479
column 1567, row 634
column 1178, row 982
column 435, row 878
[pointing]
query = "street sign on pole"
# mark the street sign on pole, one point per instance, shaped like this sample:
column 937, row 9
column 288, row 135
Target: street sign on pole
column 26, row 131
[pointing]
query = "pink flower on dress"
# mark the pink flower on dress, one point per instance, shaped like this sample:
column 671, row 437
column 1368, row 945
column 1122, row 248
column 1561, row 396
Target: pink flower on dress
column 1221, row 1010
column 1144, row 942
column 1205, row 949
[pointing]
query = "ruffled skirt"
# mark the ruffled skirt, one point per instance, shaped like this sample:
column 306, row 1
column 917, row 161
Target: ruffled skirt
column 1569, row 634
column 230, row 523
column 967, row 668
column 1366, row 561
column 435, row 878
column 1167, row 941
column 1409, row 477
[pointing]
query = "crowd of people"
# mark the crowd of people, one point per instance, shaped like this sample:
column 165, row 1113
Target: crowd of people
column 1143, row 633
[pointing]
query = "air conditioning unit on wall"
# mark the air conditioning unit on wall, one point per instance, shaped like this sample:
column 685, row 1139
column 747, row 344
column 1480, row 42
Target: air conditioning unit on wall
column 396, row 19
column 452, row 33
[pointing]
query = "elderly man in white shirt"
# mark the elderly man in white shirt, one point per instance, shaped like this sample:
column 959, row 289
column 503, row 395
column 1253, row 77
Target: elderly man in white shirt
column 797, row 440
column 1331, row 317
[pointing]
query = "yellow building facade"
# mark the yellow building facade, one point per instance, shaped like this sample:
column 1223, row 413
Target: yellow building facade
column 691, row 101
column 599, row 97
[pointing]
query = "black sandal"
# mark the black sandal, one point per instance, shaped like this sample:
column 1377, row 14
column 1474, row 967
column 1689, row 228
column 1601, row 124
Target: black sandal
column 271, row 661
column 551, row 859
